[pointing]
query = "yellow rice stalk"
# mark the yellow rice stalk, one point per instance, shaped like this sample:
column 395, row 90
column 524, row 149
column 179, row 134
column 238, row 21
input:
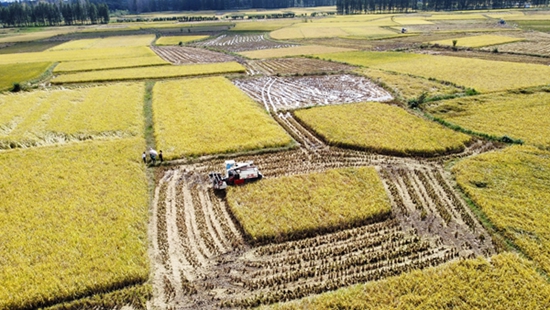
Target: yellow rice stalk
column 512, row 187
column 294, row 206
column 381, row 128
column 154, row 72
column 73, row 221
column 196, row 117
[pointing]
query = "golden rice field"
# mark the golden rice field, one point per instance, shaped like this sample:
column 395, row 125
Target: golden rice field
column 20, row 73
column 409, row 87
column 325, row 30
column 512, row 187
column 37, row 35
column 478, row 41
column 381, row 128
column 412, row 21
column 293, row 51
column 195, row 117
column 113, row 63
column 263, row 25
column 177, row 39
column 294, row 206
column 108, row 42
column 59, row 116
column 371, row 59
column 516, row 115
column 73, row 221
column 78, row 55
column 153, row 72
column 482, row 75
column 504, row 281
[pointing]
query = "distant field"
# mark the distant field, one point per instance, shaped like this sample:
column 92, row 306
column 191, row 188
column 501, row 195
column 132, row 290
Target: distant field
column 300, row 205
column 92, row 65
column 504, row 281
column 478, row 41
column 293, row 51
column 455, row 16
column 155, row 72
column 19, row 73
column 203, row 116
column 37, row 35
column 512, row 187
column 381, row 128
column 108, row 42
column 343, row 29
column 78, row 55
column 263, row 25
column 177, row 39
column 519, row 116
column 73, row 221
column 482, row 75
column 60, row 116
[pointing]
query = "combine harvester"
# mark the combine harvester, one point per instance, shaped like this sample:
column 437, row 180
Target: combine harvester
column 236, row 174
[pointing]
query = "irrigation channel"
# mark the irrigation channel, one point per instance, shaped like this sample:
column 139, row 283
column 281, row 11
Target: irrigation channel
column 201, row 258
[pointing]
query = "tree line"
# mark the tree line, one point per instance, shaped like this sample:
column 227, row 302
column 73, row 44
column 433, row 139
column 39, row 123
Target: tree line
column 388, row 6
column 140, row 6
column 28, row 14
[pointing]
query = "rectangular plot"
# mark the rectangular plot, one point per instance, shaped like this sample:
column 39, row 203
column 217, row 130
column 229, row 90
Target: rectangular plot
column 155, row 72
column 210, row 116
column 92, row 65
column 73, row 222
column 294, row 51
column 60, row 116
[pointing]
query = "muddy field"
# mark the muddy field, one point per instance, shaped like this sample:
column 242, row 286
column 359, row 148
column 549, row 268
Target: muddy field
column 203, row 260
column 294, row 66
column 284, row 93
column 179, row 55
column 240, row 43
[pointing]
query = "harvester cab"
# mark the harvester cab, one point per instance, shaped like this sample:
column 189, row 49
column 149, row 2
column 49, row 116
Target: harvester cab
column 235, row 174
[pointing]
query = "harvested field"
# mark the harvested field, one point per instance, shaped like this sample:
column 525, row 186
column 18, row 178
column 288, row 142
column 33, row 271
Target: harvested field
column 203, row 260
column 290, row 66
column 535, row 43
column 242, row 42
column 283, row 93
column 179, row 55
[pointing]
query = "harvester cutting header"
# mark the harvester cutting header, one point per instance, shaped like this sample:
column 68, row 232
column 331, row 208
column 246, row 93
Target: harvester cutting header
column 236, row 174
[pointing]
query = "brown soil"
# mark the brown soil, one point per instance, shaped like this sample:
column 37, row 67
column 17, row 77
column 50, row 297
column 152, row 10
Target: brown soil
column 201, row 259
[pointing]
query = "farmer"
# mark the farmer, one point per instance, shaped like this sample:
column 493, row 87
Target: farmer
column 144, row 157
column 160, row 156
column 153, row 154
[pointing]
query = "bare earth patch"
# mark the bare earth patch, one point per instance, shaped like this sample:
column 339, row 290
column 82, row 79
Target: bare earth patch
column 283, row 93
column 179, row 55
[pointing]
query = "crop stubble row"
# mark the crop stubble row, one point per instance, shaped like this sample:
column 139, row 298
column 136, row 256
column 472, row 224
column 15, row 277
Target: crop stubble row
column 219, row 268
